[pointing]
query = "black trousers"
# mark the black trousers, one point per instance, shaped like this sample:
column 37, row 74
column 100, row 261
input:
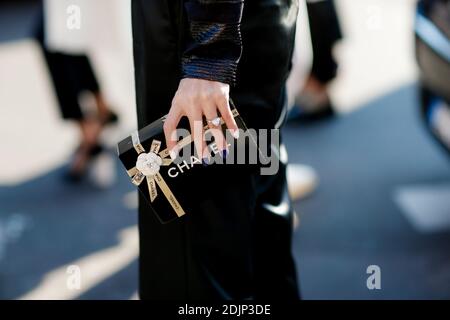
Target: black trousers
column 70, row 74
column 236, row 243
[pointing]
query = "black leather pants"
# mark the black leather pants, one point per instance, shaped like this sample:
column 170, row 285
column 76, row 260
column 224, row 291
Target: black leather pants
column 236, row 243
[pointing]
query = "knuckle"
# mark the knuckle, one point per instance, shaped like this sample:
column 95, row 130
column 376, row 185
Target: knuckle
column 197, row 95
column 190, row 110
column 219, row 96
column 168, row 125
column 191, row 97
column 204, row 95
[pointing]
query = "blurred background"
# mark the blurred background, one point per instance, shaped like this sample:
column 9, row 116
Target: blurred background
column 368, row 139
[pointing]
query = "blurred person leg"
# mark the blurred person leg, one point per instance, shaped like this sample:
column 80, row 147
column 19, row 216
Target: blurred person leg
column 72, row 75
column 314, row 101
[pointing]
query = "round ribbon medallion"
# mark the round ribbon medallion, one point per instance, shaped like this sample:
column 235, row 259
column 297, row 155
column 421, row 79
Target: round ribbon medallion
column 149, row 163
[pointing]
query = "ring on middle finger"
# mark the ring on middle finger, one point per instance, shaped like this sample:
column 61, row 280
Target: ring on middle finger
column 214, row 123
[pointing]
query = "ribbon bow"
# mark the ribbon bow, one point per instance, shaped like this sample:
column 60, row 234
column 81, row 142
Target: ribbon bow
column 147, row 168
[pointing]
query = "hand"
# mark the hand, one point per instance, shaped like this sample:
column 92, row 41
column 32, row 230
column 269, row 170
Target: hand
column 195, row 99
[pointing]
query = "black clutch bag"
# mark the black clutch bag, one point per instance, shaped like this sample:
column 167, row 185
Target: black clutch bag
column 168, row 184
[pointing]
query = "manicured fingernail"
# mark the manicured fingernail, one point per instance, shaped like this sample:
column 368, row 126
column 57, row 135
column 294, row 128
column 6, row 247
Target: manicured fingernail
column 235, row 133
column 224, row 153
column 205, row 162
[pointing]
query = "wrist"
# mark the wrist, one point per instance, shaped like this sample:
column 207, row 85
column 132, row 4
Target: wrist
column 217, row 70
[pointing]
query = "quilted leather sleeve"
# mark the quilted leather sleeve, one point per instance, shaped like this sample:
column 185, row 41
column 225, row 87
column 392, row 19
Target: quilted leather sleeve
column 215, row 43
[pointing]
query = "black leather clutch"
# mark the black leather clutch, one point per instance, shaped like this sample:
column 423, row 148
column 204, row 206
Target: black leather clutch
column 169, row 186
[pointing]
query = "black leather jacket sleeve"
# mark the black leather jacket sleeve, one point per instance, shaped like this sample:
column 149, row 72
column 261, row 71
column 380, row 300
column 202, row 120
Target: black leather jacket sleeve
column 214, row 46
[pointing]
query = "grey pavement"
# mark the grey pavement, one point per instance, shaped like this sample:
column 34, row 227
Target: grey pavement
column 353, row 220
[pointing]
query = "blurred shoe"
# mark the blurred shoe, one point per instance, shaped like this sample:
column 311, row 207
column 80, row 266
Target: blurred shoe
column 313, row 103
column 323, row 113
column 302, row 180
column 110, row 118
column 82, row 159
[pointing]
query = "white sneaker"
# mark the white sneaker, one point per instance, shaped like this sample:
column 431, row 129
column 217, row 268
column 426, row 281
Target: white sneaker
column 302, row 180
